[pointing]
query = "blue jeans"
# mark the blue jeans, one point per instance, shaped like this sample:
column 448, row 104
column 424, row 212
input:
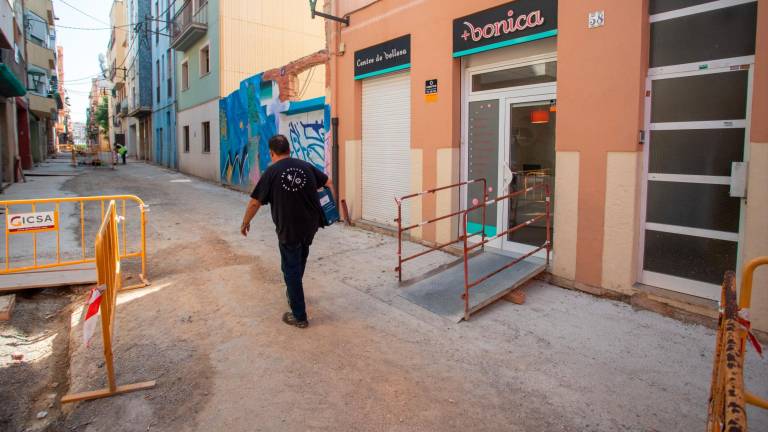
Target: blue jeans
column 293, row 262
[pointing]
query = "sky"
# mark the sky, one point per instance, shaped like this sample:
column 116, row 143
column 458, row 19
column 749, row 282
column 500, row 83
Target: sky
column 81, row 47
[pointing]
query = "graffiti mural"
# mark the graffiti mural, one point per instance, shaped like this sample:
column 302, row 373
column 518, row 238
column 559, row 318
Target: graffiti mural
column 251, row 115
column 308, row 142
column 307, row 134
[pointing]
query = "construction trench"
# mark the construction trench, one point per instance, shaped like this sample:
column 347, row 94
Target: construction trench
column 208, row 331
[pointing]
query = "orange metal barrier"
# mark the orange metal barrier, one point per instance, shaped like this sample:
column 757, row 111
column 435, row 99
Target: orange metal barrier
column 84, row 254
column 469, row 248
column 728, row 396
column 107, row 259
column 401, row 229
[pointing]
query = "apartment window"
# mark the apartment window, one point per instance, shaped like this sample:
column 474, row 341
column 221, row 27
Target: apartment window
column 157, row 22
column 157, row 64
column 205, row 60
column 38, row 82
column 37, row 30
column 185, row 75
column 167, row 15
column 206, row 137
column 169, row 73
column 186, row 139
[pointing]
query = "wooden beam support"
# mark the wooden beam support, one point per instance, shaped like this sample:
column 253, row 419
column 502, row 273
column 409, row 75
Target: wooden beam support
column 98, row 394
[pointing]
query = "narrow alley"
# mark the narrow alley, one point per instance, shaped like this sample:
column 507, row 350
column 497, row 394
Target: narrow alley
column 383, row 215
column 208, row 330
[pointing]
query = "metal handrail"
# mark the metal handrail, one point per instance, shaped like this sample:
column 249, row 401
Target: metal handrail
column 401, row 229
column 468, row 248
column 187, row 16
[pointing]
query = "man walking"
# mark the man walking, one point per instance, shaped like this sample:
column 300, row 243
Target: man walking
column 290, row 187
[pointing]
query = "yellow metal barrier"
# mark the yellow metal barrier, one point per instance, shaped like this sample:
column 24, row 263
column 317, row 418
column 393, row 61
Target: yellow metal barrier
column 728, row 397
column 84, row 256
column 108, row 270
column 745, row 301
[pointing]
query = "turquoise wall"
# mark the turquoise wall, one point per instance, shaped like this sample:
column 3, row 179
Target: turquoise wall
column 201, row 89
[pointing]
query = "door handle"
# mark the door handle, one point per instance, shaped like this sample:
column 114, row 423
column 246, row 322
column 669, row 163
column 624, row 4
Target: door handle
column 738, row 179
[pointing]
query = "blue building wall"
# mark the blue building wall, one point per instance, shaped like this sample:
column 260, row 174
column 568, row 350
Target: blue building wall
column 143, row 57
column 163, row 65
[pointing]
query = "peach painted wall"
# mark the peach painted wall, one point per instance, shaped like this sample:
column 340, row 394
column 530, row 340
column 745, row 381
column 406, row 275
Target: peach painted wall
column 435, row 125
column 756, row 228
column 759, row 127
column 600, row 90
column 347, row 6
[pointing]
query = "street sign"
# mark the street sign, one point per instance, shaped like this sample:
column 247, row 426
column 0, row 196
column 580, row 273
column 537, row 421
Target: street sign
column 430, row 90
column 31, row 222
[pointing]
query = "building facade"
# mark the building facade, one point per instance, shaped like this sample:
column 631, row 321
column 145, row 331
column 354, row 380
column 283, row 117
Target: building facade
column 99, row 95
column 14, row 120
column 645, row 120
column 63, row 137
column 139, row 80
column 42, row 83
column 163, row 87
column 79, row 136
column 210, row 38
column 117, row 57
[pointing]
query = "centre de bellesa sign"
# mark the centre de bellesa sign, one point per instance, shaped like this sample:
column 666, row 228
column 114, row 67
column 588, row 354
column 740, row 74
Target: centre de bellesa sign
column 509, row 24
column 31, row 222
column 389, row 56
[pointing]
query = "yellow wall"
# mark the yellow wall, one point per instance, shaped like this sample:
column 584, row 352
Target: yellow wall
column 756, row 230
column 622, row 189
column 118, row 19
column 42, row 8
column 39, row 56
column 414, row 207
column 353, row 179
column 260, row 35
column 447, row 201
column 41, row 105
column 566, row 217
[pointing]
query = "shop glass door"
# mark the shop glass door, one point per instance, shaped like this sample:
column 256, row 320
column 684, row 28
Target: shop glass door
column 529, row 161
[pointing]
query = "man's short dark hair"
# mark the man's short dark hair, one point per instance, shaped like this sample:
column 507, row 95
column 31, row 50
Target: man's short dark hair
column 279, row 145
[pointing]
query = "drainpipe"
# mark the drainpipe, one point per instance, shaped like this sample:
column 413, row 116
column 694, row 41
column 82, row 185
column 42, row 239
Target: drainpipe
column 335, row 153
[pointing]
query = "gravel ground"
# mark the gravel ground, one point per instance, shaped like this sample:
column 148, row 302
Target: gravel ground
column 209, row 330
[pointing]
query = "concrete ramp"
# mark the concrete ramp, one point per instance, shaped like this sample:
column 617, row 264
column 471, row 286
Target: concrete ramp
column 56, row 277
column 441, row 293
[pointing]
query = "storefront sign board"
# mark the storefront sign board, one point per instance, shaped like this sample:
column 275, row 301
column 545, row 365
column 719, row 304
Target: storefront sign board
column 386, row 57
column 509, row 24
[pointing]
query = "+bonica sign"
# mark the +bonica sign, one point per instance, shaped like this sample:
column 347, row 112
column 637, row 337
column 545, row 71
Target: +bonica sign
column 386, row 57
column 510, row 24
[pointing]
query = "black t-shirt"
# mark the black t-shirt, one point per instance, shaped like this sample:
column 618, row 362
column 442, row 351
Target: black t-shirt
column 290, row 187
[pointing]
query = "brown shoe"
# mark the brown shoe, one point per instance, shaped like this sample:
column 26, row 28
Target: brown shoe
column 289, row 319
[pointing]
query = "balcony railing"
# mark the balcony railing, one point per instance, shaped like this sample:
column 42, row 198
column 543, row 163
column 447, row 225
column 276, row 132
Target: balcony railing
column 8, row 56
column 189, row 24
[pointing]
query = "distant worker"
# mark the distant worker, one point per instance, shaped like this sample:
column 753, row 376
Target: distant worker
column 290, row 187
column 122, row 151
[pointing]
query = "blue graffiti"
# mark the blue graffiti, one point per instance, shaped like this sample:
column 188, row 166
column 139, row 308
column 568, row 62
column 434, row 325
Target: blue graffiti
column 308, row 142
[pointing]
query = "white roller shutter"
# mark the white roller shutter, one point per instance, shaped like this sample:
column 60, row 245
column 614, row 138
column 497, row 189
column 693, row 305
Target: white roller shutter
column 386, row 146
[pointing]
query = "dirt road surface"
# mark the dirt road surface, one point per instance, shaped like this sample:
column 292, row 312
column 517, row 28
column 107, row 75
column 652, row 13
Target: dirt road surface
column 208, row 330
